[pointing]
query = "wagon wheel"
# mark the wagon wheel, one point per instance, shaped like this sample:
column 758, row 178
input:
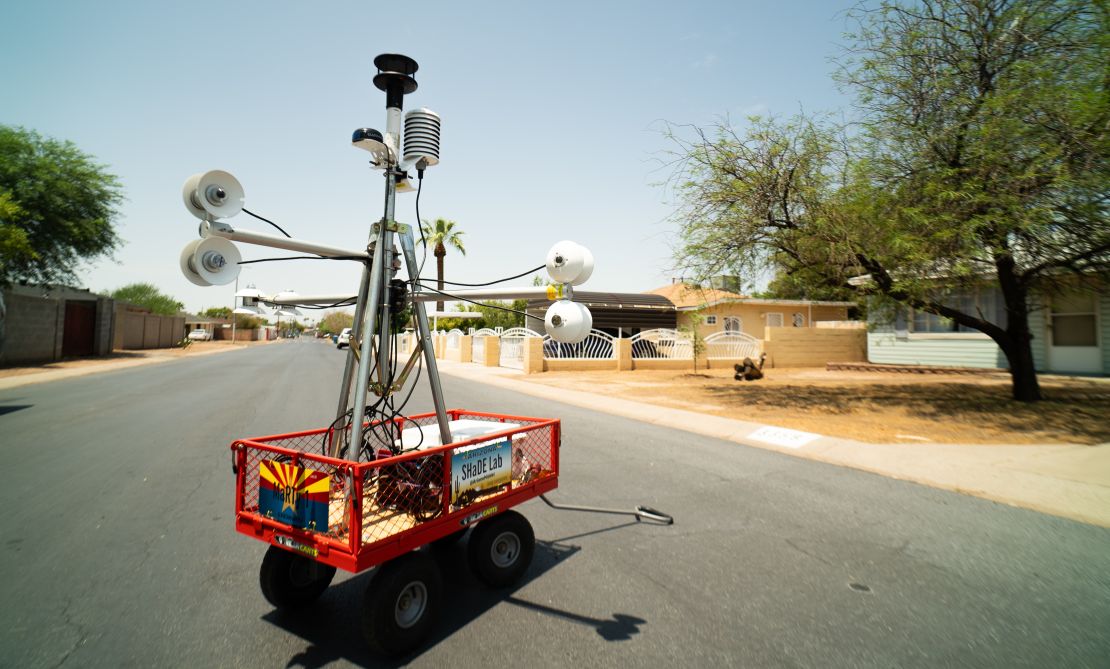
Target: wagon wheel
column 402, row 603
column 446, row 543
column 501, row 549
column 291, row 581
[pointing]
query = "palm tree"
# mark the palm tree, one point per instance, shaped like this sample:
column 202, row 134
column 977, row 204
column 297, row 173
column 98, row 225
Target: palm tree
column 442, row 232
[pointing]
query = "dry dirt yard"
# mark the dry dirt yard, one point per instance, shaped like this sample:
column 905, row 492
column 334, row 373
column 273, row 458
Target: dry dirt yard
column 877, row 407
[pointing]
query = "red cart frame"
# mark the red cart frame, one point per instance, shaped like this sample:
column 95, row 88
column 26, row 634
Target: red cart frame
column 404, row 501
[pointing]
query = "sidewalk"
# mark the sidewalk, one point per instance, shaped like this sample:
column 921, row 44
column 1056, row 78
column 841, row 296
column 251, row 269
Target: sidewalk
column 1063, row 480
column 13, row 377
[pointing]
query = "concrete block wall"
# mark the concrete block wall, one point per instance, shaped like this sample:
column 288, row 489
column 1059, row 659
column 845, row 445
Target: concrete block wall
column 813, row 347
column 105, row 321
column 492, row 356
column 33, row 329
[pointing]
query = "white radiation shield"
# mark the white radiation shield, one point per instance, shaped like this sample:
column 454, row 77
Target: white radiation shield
column 189, row 193
column 213, row 195
column 212, row 261
column 569, row 262
column 187, row 263
column 568, row 322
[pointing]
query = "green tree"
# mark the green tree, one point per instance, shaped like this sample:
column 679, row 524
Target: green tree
column 148, row 296
column 217, row 312
column 242, row 321
column 697, row 343
column 57, row 207
column 980, row 158
column 442, row 233
column 334, row 321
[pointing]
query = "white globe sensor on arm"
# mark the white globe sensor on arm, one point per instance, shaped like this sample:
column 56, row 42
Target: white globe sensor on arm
column 569, row 262
column 568, row 322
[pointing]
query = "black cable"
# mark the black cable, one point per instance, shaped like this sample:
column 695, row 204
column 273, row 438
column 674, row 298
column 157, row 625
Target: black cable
column 251, row 213
column 419, row 222
column 488, row 283
column 481, row 304
column 342, row 303
column 357, row 258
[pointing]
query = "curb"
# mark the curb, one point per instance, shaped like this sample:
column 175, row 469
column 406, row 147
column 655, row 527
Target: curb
column 110, row 366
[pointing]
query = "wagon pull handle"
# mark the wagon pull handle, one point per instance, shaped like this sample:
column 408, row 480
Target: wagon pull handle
column 640, row 512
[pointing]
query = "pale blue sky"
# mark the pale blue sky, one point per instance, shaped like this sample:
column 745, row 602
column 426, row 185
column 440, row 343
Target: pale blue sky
column 551, row 116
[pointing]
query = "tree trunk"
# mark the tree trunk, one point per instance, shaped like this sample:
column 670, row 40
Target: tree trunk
column 439, row 252
column 1018, row 346
column 1024, row 376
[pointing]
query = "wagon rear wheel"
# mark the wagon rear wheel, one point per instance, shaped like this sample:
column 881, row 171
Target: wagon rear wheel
column 501, row 549
column 291, row 581
column 402, row 603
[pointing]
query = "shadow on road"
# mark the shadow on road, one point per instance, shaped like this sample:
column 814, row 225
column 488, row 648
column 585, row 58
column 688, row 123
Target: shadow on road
column 332, row 626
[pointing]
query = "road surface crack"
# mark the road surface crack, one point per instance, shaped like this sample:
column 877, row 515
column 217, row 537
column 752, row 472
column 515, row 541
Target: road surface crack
column 82, row 633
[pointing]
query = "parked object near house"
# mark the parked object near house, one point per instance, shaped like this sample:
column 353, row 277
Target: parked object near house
column 749, row 370
column 344, row 338
column 200, row 334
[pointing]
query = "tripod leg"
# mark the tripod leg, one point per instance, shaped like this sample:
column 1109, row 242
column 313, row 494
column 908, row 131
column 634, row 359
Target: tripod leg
column 409, row 249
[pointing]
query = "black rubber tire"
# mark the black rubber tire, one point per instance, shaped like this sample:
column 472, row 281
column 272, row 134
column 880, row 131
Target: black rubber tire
column 501, row 549
column 389, row 622
column 290, row 581
column 443, row 544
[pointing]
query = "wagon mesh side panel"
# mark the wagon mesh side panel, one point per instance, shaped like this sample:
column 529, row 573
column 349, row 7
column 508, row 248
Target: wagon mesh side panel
column 401, row 496
column 309, row 445
column 398, row 496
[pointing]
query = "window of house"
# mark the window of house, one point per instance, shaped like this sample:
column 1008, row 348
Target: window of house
column 733, row 324
column 710, row 320
column 774, row 319
column 986, row 304
column 1073, row 320
column 798, row 320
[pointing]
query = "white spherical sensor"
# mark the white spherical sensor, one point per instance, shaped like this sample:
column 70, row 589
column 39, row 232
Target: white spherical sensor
column 568, row 322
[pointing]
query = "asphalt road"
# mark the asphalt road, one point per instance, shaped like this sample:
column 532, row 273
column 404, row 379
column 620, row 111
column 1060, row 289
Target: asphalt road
column 118, row 547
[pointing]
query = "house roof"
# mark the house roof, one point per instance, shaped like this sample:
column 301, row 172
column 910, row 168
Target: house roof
column 690, row 298
column 619, row 310
column 685, row 296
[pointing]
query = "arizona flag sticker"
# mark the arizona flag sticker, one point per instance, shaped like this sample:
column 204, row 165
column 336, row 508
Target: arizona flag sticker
column 293, row 495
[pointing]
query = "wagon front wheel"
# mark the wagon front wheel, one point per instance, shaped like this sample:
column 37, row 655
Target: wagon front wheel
column 402, row 603
column 290, row 581
column 501, row 549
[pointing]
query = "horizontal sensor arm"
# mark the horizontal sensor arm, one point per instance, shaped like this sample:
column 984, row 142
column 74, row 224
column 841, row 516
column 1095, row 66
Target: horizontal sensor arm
column 221, row 229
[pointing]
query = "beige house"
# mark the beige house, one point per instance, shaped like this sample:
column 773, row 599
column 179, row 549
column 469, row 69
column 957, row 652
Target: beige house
column 722, row 311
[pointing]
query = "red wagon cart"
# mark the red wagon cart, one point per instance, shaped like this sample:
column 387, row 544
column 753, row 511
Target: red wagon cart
column 320, row 513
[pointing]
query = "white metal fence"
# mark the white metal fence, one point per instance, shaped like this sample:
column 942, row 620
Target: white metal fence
column 454, row 337
column 512, row 346
column 732, row 345
column 406, row 340
column 596, row 346
column 662, row 344
column 478, row 345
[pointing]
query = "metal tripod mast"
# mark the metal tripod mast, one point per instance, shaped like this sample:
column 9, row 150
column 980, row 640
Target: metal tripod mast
column 372, row 311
